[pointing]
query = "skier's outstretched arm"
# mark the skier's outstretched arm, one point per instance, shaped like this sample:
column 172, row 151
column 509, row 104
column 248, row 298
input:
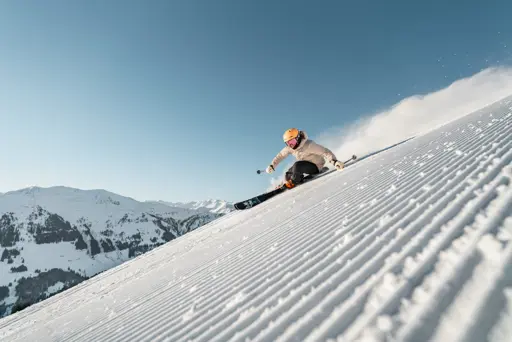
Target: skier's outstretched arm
column 277, row 159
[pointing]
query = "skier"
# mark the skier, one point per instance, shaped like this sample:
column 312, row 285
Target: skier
column 311, row 157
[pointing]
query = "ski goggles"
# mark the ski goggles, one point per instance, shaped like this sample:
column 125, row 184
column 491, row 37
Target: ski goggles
column 292, row 142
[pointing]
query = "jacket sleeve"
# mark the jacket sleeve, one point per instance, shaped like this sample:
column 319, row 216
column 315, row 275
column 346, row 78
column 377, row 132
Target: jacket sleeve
column 280, row 156
column 323, row 151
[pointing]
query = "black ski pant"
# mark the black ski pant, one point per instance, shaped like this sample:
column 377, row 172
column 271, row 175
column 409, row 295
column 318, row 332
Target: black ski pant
column 297, row 171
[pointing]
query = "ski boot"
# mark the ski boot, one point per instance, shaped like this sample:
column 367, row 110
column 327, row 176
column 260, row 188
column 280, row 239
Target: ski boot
column 285, row 184
column 289, row 184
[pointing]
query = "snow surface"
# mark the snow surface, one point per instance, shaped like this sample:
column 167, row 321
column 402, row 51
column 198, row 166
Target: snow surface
column 411, row 244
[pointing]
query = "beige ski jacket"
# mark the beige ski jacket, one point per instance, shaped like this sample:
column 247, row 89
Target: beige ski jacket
column 307, row 150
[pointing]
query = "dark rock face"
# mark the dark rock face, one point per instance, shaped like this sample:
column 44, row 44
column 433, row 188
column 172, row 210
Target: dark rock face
column 9, row 255
column 196, row 221
column 9, row 235
column 168, row 226
column 19, row 269
column 32, row 290
column 80, row 243
column 95, row 246
column 41, row 227
column 54, row 230
column 107, row 245
column 141, row 249
column 3, row 310
column 4, row 292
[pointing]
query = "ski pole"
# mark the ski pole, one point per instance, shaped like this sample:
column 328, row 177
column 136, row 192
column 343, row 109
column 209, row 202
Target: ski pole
column 346, row 161
column 354, row 157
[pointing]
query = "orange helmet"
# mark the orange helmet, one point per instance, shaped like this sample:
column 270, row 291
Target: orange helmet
column 290, row 134
column 291, row 137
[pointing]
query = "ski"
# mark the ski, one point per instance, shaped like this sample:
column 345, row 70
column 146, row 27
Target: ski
column 258, row 199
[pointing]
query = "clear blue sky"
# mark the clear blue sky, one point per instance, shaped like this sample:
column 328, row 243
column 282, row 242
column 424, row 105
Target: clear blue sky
column 182, row 100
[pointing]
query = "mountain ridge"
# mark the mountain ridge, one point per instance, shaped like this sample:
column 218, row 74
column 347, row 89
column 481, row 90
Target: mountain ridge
column 52, row 238
column 212, row 205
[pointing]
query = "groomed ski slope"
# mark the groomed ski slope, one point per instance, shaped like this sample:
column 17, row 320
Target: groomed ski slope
column 411, row 244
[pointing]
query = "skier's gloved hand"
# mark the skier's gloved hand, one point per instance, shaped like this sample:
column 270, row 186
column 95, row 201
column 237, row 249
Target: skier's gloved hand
column 338, row 165
column 270, row 169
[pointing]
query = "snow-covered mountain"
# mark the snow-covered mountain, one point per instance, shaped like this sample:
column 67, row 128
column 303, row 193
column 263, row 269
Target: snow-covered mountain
column 211, row 205
column 52, row 238
column 410, row 244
